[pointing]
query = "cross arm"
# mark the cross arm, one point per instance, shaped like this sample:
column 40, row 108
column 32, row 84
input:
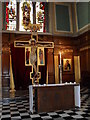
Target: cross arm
column 45, row 44
column 21, row 44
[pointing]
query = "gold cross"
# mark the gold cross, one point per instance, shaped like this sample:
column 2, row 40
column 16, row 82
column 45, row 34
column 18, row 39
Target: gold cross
column 35, row 48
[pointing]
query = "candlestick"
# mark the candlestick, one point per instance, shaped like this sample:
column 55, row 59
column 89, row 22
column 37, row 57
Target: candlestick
column 60, row 69
column 60, row 58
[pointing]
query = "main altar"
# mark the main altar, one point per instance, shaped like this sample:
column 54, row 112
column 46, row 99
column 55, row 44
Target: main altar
column 52, row 97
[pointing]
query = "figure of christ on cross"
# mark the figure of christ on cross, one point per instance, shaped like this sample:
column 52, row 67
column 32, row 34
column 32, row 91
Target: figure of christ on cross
column 33, row 60
column 34, row 46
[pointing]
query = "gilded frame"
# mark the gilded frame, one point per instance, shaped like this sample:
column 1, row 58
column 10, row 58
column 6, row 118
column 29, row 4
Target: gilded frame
column 41, row 56
column 67, row 64
column 27, row 54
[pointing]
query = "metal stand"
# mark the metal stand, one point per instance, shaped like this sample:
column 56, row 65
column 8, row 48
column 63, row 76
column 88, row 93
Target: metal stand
column 60, row 66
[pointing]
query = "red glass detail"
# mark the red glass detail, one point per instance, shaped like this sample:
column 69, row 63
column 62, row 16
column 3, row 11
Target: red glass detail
column 43, row 8
column 7, row 14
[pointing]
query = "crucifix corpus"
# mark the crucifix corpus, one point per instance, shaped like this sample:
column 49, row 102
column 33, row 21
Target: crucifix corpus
column 34, row 54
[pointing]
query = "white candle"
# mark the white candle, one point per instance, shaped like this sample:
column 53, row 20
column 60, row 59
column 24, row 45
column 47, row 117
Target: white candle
column 60, row 58
column 60, row 69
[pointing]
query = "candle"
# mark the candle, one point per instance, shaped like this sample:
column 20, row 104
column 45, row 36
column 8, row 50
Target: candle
column 60, row 69
column 60, row 58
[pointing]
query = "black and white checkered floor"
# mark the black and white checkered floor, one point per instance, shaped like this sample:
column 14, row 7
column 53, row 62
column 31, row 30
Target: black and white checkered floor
column 18, row 109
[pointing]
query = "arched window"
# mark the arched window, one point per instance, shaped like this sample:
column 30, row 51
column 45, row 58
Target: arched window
column 40, row 15
column 26, row 15
column 11, row 15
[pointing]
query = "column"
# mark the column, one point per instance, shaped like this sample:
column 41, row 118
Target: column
column 56, row 69
column 77, row 68
column 12, row 86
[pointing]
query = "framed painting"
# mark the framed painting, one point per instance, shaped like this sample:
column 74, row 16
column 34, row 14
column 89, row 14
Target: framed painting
column 41, row 58
column 27, row 56
column 67, row 64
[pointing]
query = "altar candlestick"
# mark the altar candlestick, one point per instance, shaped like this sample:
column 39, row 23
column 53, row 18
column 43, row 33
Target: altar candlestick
column 60, row 58
column 60, row 69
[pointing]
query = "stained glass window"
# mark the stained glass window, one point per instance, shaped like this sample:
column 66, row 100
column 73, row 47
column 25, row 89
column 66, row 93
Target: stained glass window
column 11, row 15
column 40, row 15
column 26, row 15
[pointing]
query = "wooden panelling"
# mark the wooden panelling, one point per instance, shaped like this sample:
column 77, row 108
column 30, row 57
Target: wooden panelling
column 89, row 60
column 84, row 60
column 5, row 40
column 51, row 79
column 5, row 62
column 50, row 61
column 68, row 78
column 5, row 69
column 82, row 40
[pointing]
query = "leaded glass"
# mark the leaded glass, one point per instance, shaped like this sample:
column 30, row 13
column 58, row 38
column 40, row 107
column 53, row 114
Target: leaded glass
column 11, row 15
column 26, row 15
column 40, row 15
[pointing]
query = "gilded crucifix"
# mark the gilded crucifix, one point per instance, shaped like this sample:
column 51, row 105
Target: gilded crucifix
column 34, row 55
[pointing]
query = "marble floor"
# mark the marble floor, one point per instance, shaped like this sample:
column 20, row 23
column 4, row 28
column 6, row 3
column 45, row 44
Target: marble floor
column 17, row 108
column 18, row 93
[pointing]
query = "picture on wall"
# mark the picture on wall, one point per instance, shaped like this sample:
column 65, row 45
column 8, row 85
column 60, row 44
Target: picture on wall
column 41, row 59
column 67, row 65
column 27, row 56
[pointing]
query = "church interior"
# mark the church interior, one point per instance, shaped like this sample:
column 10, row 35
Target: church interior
column 44, row 60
